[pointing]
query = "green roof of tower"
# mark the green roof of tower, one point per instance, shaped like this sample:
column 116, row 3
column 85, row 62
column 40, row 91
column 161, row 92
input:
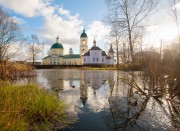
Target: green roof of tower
column 84, row 34
column 56, row 45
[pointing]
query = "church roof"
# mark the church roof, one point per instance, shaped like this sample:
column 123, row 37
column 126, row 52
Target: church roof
column 52, row 56
column 56, row 45
column 95, row 48
column 104, row 53
column 87, row 54
column 71, row 56
column 108, row 57
column 111, row 50
column 84, row 34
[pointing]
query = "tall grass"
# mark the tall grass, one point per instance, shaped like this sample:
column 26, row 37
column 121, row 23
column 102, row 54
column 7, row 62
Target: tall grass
column 27, row 107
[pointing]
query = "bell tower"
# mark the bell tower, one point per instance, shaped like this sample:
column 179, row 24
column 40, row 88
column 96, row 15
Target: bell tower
column 83, row 43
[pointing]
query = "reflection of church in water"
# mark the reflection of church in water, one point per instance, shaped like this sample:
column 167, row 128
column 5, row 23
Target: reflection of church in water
column 83, row 83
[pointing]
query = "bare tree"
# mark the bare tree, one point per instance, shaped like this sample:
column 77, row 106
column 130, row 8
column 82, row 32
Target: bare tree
column 174, row 14
column 9, row 32
column 34, row 48
column 131, row 14
column 115, row 36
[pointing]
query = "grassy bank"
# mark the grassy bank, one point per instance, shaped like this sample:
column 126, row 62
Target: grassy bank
column 27, row 107
column 12, row 70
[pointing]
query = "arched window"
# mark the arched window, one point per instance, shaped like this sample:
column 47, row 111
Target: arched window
column 97, row 59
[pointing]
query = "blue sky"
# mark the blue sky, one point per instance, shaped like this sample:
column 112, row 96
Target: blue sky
column 66, row 18
column 89, row 10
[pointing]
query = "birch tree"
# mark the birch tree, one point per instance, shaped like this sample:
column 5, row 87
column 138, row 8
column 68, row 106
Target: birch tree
column 130, row 14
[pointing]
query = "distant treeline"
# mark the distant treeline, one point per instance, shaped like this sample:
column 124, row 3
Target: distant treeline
column 71, row 66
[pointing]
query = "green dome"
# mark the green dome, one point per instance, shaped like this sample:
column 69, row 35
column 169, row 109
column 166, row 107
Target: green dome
column 84, row 34
column 56, row 45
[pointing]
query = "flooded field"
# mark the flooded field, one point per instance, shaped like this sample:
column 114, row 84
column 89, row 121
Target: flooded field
column 101, row 101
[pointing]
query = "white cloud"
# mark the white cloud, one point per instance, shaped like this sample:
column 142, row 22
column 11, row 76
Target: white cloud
column 99, row 31
column 166, row 31
column 57, row 21
column 27, row 8
column 18, row 20
column 67, row 27
column 177, row 6
column 64, row 12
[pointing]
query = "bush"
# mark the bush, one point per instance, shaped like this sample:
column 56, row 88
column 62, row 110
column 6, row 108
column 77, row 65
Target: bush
column 27, row 107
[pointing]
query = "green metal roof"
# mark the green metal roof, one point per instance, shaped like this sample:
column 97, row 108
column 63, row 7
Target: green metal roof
column 51, row 56
column 84, row 34
column 72, row 56
column 56, row 45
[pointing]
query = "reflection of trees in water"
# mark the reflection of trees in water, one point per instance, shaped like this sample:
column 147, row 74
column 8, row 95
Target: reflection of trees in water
column 136, row 108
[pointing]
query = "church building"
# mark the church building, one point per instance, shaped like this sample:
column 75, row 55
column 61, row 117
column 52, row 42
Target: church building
column 93, row 56
column 57, row 57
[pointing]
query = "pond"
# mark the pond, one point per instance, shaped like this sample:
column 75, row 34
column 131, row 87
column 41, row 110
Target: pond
column 101, row 102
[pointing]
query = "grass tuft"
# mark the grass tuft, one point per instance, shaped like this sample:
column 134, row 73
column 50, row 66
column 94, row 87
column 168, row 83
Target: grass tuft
column 27, row 107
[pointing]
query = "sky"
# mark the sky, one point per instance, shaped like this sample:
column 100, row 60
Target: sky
column 66, row 18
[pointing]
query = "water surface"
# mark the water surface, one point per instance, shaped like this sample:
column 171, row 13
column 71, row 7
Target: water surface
column 101, row 102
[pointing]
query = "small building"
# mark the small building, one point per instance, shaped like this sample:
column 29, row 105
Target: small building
column 57, row 57
column 96, row 56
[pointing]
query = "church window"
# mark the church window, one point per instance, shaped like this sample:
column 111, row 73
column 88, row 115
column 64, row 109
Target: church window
column 94, row 59
column 83, row 42
column 84, row 59
column 97, row 59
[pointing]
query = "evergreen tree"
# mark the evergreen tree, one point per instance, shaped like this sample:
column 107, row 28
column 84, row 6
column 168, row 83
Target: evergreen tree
column 70, row 51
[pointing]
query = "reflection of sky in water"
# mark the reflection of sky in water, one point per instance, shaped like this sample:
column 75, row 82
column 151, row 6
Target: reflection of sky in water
column 87, row 92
